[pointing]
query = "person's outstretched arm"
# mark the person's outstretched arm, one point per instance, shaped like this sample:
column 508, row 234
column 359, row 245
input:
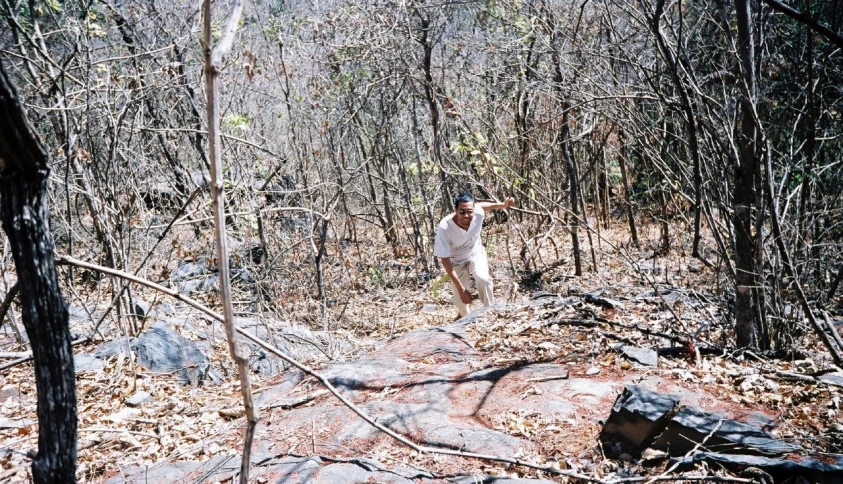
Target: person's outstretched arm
column 487, row 206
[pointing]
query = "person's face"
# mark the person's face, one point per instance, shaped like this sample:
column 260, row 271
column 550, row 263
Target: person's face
column 464, row 214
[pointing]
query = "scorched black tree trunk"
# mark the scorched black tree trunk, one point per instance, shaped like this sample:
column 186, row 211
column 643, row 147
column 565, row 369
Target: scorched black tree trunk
column 24, row 172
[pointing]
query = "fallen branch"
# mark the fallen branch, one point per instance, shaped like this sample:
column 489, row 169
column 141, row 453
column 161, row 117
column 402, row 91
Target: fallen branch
column 67, row 260
column 283, row 404
column 808, row 21
column 121, row 431
column 15, row 354
column 28, row 357
column 591, row 323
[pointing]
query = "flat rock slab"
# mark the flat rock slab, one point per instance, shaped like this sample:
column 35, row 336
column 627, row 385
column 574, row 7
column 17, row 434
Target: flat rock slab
column 435, row 387
column 87, row 362
column 299, row 470
column 692, row 425
column 643, row 356
column 826, row 469
column 206, row 471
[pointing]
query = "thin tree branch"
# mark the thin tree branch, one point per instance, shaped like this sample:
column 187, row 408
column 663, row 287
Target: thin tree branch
column 67, row 260
column 213, row 65
column 807, row 20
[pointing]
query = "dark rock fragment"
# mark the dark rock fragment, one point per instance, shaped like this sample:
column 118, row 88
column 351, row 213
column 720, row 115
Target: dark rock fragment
column 162, row 350
column 638, row 416
column 691, row 425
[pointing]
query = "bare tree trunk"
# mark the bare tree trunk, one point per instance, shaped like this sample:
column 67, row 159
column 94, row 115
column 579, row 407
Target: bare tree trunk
column 810, row 144
column 435, row 122
column 431, row 221
column 564, row 143
column 213, row 64
column 320, row 272
column 834, row 284
column 573, row 180
column 746, row 319
column 26, row 221
column 627, row 195
column 588, row 229
column 690, row 118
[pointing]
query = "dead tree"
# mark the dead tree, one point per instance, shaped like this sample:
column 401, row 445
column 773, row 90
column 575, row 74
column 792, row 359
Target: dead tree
column 26, row 220
column 745, row 189
column 213, row 64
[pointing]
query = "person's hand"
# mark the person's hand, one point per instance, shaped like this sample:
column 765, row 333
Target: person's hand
column 509, row 202
column 465, row 296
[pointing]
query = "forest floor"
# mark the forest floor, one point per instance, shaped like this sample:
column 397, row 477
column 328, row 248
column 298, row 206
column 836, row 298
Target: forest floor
column 656, row 301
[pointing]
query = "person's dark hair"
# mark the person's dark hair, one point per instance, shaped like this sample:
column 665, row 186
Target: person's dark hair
column 463, row 198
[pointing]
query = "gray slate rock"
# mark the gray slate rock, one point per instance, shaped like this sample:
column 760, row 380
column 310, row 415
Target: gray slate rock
column 638, row 417
column 265, row 364
column 188, row 269
column 286, row 470
column 604, row 302
column 834, row 379
column 428, row 309
column 829, row 470
column 165, row 308
column 141, row 308
column 691, row 425
column 77, row 313
column 644, row 356
column 162, row 350
column 9, row 391
column 203, row 284
column 184, row 471
column 138, row 399
column 495, row 480
column 111, row 348
column 87, row 362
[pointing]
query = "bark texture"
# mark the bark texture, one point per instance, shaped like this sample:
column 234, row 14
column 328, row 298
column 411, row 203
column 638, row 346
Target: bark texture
column 25, row 216
column 746, row 179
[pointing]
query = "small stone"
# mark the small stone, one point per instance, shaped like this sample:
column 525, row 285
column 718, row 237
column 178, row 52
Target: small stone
column 644, row 356
column 138, row 399
column 141, row 309
column 650, row 454
column 124, row 415
column 547, row 345
column 9, row 391
column 428, row 309
column 592, row 371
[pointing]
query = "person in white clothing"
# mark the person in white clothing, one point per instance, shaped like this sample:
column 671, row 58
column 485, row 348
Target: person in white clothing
column 458, row 245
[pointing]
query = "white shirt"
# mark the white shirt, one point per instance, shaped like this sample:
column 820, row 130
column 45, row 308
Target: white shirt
column 458, row 244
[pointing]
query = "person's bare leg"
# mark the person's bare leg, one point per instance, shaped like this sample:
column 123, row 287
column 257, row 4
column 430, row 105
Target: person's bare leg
column 485, row 287
column 463, row 272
